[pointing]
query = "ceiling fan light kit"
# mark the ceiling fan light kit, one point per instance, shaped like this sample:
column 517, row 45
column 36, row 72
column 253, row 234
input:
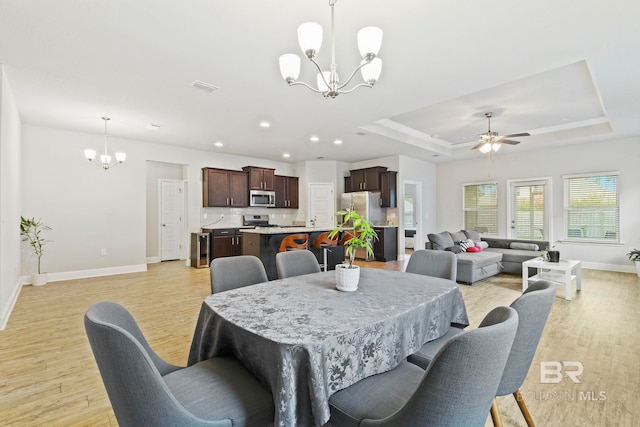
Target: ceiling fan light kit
column 328, row 83
column 490, row 142
column 105, row 159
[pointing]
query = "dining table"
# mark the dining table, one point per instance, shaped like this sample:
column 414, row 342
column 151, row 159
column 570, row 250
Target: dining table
column 305, row 340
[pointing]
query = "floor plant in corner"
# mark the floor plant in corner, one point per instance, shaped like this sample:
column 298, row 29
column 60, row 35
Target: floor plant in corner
column 634, row 255
column 359, row 234
column 31, row 231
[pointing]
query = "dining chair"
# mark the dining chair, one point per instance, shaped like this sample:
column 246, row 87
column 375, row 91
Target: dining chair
column 428, row 262
column 456, row 389
column 235, row 272
column 321, row 246
column 533, row 307
column 145, row 390
column 294, row 242
column 296, row 263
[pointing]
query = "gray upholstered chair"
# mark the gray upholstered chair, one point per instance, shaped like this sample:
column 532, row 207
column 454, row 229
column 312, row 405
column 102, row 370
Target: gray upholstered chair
column 433, row 263
column 235, row 272
column 144, row 390
column 456, row 390
column 533, row 308
column 296, row 263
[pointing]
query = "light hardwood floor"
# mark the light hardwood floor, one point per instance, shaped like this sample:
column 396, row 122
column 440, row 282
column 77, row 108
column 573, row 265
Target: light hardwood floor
column 48, row 376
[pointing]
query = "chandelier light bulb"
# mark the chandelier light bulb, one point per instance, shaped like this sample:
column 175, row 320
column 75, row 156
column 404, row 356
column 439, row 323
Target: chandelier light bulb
column 310, row 38
column 290, row 67
column 322, row 86
column 369, row 42
column 485, row 148
column 105, row 159
column 371, row 71
column 496, row 146
column 120, row 156
column 90, row 154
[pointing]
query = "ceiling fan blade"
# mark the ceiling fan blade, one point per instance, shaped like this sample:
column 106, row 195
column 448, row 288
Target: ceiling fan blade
column 478, row 145
column 514, row 135
column 509, row 142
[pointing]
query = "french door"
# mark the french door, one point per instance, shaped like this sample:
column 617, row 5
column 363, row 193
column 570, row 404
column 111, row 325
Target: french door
column 529, row 211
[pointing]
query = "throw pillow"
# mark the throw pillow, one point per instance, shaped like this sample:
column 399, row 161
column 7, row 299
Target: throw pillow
column 472, row 234
column 456, row 249
column 440, row 241
column 474, row 249
column 466, row 244
column 458, row 236
column 482, row 244
column 525, row 246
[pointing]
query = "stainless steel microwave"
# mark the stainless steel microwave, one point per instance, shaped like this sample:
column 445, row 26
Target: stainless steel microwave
column 262, row 198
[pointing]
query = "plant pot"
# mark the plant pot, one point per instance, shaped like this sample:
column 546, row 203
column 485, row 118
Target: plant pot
column 38, row 279
column 553, row 256
column 638, row 268
column 347, row 278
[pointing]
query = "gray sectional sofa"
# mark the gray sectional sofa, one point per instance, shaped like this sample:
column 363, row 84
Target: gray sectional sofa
column 497, row 254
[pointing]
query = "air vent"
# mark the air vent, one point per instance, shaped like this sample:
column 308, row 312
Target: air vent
column 361, row 133
column 207, row 87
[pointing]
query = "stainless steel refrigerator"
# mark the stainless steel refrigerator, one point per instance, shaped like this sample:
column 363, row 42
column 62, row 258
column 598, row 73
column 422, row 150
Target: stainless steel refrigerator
column 367, row 204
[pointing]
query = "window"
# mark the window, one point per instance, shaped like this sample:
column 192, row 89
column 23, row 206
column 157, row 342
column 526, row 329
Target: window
column 480, row 205
column 591, row 207
column 409, row 221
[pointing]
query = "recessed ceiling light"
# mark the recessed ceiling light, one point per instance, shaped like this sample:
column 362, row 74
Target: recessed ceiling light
column 314, row 138
column 219, row 144
column 265, row 124
column 286, row 155
column 337, row 141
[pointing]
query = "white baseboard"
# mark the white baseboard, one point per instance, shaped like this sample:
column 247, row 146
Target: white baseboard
column 609, row 267
column 4, row 318
column 84, row 274
column 153, row 260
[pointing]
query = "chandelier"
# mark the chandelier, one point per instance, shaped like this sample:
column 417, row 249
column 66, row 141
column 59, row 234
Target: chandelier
column 310, row 40
column 105, row 159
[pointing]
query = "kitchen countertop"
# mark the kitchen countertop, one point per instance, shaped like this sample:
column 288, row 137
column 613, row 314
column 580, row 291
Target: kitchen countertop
column 285, row 230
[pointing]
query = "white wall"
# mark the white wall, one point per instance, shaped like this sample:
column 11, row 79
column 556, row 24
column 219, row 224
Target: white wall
column 90, row 209
column 621, row 155
column 10, row 247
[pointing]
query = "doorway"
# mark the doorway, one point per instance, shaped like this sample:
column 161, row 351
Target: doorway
column 529, row 207
column 322, row 205
column 172, row 219
column 410, row 226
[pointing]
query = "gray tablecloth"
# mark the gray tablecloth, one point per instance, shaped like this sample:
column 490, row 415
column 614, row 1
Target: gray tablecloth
column 305, row 340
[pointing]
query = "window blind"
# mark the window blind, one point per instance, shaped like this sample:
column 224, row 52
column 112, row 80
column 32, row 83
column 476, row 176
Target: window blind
column 480, row 205
column 591, row 207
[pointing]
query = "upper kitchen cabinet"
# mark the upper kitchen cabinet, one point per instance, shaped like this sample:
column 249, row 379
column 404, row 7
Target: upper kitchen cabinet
column 260, row 178
column 388, row 193
column 286, row 191
column 366, row 179
column 224, row 188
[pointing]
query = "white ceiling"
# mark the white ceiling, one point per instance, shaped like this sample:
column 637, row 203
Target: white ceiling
column 564, row 71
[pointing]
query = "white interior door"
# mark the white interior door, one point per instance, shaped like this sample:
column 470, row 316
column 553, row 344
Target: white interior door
column 529, row 213
column 322, row 205
column 171, row 219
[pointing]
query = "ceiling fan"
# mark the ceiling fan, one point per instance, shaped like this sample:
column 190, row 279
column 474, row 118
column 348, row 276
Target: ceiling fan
column 491, row 141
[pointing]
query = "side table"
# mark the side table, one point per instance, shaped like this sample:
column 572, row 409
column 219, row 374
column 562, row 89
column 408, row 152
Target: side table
column 563, row 272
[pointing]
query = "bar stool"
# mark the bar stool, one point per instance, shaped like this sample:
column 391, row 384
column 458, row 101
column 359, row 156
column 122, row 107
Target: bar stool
column 324, row 242
column 294, row 242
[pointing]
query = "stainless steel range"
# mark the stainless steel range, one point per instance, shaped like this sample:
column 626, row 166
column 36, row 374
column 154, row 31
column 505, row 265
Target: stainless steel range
column 257, row 221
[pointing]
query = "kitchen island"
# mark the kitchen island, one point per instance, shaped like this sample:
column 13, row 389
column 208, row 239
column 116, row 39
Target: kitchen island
column 264, row 243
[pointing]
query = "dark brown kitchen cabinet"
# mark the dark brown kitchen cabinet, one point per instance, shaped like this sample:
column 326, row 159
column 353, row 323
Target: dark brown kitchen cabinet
column 226, row 242
column 286, row 191
column 386, row 247
column 222, row 187
column 366, row 179
column 388, row 185
column 260, row 178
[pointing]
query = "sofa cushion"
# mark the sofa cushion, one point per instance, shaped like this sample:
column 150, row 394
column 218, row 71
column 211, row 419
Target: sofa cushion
column 472, row 234
column 479, row 259
column 514, row 255
column 440, row 241
column 524, row 246
column 466, row 244
column 458, row 236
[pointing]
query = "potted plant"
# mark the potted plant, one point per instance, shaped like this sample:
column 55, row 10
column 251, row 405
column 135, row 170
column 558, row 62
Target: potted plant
column 361, row 235
column 31, row 230
column 634, row 255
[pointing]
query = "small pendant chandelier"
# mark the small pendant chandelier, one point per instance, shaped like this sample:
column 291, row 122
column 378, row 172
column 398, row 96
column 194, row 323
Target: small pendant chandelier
column 105, row 159
column 310, row 40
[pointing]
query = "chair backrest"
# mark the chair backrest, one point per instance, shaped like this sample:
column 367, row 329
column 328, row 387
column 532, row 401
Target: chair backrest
column 296, row 263
column 533, row 308
column 460, row 383
column 235, row 272
column 346, row 236
column 295, row 241
column 324, row 240
column 131, row 371
column 433, row 263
